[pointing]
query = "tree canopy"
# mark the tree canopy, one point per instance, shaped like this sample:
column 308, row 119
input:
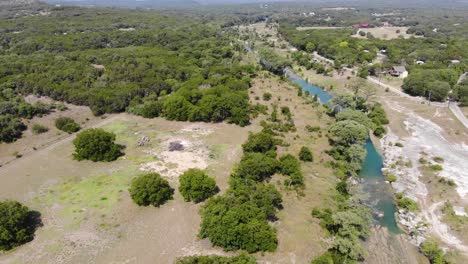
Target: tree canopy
column 17, row 224
column 150, row 189
column 96, row 145
column 196, row 185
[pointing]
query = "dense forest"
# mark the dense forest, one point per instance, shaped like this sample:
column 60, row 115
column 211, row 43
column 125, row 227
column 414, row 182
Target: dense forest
column 112, row 61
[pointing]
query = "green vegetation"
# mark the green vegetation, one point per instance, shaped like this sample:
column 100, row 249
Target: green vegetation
column 239, row 219
column 266, row 96
column 39, row 129
column 96, row 145
column 406, row 203
column 305, row 154
column 272, row 62
column 13, row 107
column 197, row 186
column 213, row 259
column 17, row 224
column 67, row 124
column 150, row 189
column 436, row 167
column 11, row 128
column 433, row 252
column 260, row 142
column 256, row 166
column 179, row 67
column 349, row 226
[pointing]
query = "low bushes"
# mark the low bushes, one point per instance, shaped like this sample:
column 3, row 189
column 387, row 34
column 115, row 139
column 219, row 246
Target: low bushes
column 67, row 124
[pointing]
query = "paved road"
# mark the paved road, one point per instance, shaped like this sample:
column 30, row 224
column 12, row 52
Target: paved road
column 458, row 113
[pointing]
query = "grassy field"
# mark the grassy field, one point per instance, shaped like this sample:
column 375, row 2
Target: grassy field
column 385, row 32
column 87, row 213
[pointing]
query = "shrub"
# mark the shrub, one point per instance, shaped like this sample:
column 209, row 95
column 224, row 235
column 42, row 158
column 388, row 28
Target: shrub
column 150, row 189
column 433, row 252
column 17, row 224
column 213, row 259
column 398, row 144
column 266, row 96
column 39, row 129
column 96, row 145
column 196, row 186
column 67, row 124
column 406, row 203
column 305, row 154
column 391, row 177
column 11, row 128
column 436, row 167
column 256, row 166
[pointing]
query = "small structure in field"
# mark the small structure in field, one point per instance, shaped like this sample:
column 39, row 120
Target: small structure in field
column 398, row 71
column 454, row 61
column 420, row 62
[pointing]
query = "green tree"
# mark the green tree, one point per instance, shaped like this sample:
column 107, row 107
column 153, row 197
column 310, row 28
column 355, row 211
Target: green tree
column 17, row 224
column 256, row 166
column 356, row 115
column 260, row 142
column 150, row 189
column 96, row 145
column 347, row 132
column 305, row 154
column 67, row 124
column 197, row 186
column 289, row 164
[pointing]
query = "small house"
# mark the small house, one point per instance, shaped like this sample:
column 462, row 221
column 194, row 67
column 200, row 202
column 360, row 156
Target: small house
column 398, row 71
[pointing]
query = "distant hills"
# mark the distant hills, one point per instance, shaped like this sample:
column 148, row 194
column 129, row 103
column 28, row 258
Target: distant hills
column 128, row 3
column 17, row 2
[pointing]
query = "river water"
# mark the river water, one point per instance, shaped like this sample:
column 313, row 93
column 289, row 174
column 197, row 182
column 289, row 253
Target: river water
column 379, row 197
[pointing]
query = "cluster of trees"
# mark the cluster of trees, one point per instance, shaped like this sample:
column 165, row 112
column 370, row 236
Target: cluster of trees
column 12, row 109
column 337, row 45
column 17, row 224
column 213, row 259
column 461, row 92
column 150, row 189
column 96, row 145
column 272, row 62
column 355, row 119
column 349, row 226
column 239, row 219
column 306, row 60
column 434, row 85
column 181, row 68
